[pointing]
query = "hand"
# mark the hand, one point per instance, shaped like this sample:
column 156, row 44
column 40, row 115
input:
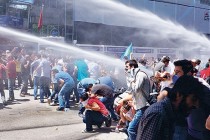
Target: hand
column 130, row 103
column 87, row 106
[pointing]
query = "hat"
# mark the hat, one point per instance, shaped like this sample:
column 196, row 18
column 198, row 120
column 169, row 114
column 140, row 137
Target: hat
column 7, row 51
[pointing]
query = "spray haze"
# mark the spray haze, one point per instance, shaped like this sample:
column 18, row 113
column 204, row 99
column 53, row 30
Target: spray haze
column 155, row 30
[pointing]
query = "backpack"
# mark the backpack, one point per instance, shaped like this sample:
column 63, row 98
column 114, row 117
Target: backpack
column 151, row 98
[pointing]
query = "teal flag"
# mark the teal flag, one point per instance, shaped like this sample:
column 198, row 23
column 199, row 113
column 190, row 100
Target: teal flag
column 128, row 51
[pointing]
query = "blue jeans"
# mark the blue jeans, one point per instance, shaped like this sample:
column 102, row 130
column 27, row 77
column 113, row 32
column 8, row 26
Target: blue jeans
column 93, row 118
column 64, row 95
column 55, row 92
column 133, row 125
column 36, row 84
column 108, row 102
column 2, row 88
column 11, row 84
column 24, row 87
column 44, row 87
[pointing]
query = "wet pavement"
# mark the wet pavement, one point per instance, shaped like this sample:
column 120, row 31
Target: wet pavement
column 26, row 118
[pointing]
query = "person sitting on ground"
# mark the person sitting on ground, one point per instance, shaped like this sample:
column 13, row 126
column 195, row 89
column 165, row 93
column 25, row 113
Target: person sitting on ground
column 127, row 113
column 96, row 113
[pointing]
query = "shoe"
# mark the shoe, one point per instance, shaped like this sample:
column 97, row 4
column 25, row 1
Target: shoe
column 28, row 94
column 49, row 101
column 41, row 101
column 99, row 125
column 81, row 115
column 108, row 121
column 60, row 109
column 53, row 104
column 66, row 109
column 115, row 119
column 4, row 103
column 117, row 130
column 11, row 99
column 22, row 95
column 85, row 131
column 35, row 98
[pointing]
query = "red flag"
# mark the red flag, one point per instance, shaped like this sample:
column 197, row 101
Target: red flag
column 40, row 19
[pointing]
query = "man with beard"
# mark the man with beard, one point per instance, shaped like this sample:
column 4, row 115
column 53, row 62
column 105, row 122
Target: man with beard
column 157, row 123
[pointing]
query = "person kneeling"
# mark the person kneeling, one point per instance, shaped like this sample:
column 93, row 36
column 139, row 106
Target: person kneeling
column 95, row 114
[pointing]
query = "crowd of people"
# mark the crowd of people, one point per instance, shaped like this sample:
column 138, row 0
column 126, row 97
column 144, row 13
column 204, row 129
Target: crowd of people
column 165, row 101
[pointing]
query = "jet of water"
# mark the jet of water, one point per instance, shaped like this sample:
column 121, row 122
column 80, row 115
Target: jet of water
column 61, row 46
column 155, row 30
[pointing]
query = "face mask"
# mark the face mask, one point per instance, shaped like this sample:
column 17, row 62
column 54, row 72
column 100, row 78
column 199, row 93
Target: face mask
column 128, row 72
column 175, row 78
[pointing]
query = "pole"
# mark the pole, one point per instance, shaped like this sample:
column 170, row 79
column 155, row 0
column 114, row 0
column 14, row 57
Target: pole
column 29, row 13
column 65, row 21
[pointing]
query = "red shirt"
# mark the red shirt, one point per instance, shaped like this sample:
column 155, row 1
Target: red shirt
column 103, row 109
column 205, row 73
column 11, row 69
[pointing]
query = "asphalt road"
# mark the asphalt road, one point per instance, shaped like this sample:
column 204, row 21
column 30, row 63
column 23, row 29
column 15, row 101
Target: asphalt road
column 26, row 118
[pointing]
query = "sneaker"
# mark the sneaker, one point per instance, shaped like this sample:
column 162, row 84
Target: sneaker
column 22, row 95
column 99, row 125
column 66, row 109
column 108, row 121
column 117, row 130
column 4, row 103
column 11, row 99
column 60, row 109
column 53, row 104
column 49, row 101
column 27, row 94
column 85, row 131
column 41, row 101
column 3, row 100
column 81, row 115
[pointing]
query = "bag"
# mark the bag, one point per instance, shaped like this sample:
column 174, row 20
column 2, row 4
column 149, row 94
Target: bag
column 151, row 98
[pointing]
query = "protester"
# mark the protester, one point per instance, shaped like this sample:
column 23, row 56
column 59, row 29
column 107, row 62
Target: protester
column 45, row 77
column 11, row 73
column 66, row 83
column 139, row 88
column 36, row 74
column 158, row 120
column 96, row 113
column 2, row 71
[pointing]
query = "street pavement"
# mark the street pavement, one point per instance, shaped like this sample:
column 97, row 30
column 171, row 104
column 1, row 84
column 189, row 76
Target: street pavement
column 26, row 118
